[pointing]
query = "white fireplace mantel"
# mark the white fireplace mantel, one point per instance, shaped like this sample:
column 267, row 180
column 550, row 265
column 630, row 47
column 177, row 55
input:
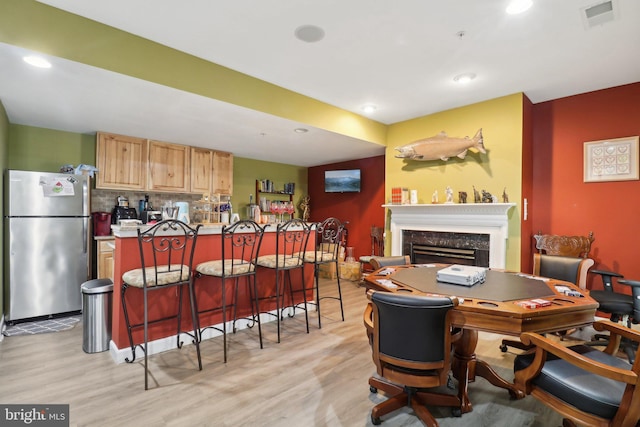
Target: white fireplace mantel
column 474, row 218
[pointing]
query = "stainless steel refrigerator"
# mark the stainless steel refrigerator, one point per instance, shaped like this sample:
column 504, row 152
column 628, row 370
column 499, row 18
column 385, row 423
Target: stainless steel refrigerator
column 46, row 243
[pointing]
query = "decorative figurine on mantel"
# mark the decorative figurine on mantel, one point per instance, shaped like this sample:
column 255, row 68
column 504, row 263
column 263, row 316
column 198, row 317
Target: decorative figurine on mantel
column 505, row 196
column 305, row 208
column 434, row 197
column 462, row 197
column 486, row 197
column 476, row 195
column 449, row 195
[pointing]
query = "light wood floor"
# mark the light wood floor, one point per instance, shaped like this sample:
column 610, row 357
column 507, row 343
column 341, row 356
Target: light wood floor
column 315, row 379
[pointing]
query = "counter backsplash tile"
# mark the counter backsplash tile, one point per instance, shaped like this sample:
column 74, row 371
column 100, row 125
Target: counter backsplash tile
column 105, row 200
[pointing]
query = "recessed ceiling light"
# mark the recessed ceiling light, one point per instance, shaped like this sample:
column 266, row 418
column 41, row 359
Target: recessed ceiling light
column 369, row 108
column 309, row 33
column 37, row 61
column 518, row 6
column 301, row 130
column 464, row 78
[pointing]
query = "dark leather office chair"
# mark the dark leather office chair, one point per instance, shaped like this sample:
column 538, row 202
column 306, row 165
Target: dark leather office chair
column 166, row 257
column 620, row 306
column 587, row 386
column 329, row 237
column 563, row 258
column 411, row 340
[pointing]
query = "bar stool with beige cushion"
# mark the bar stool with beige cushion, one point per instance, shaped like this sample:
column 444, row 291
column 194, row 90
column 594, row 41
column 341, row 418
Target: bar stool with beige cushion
column 328, row 243
column 240, row 247
column 166, row 254
column 291, row 243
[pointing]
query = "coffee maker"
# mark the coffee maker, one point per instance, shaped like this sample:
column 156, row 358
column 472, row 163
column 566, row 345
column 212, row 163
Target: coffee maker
column 122, row 210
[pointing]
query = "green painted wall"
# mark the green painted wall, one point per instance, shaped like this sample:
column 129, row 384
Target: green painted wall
column 4, row 142
column 39, row 149
column 501, row 121
column 246, row 171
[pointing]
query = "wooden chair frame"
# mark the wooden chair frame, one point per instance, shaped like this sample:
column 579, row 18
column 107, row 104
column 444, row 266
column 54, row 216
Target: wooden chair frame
column 409, row 388
column 628, row 413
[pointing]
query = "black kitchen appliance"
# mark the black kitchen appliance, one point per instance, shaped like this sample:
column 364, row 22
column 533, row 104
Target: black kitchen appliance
column 123, row 212
column 150, row 217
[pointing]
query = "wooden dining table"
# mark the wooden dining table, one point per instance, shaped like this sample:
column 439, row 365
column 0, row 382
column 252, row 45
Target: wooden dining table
column 496, row 305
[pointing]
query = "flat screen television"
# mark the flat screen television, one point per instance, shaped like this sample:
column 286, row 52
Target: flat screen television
column 342, row 181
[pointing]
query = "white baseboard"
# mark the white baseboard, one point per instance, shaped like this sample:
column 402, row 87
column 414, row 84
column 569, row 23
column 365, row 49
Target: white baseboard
column 169, row 343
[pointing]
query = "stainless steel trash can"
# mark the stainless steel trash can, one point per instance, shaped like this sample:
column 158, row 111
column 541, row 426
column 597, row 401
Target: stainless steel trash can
column 97, row 300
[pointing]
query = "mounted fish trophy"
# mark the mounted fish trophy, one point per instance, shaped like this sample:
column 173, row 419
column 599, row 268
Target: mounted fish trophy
column 441, row 147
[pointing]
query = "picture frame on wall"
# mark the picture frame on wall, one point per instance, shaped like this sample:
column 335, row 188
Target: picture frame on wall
column 611, row 160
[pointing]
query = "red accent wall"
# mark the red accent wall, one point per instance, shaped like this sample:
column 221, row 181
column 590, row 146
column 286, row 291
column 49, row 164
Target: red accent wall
column 562, row 203
column 361, row 210
column 526, row 254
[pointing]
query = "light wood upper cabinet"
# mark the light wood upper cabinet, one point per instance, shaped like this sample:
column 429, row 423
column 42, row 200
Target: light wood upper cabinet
column 222, row 172
column 201, row 170
column 121, row 162
column 169, row 167
column 129, row 163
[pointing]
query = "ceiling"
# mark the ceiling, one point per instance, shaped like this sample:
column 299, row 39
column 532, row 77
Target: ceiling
column 401, row 56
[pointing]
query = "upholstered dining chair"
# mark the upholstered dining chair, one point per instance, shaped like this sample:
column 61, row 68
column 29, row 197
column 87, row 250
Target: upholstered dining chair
column 292, row 237
column 586, row 386
column 166, row 257
column 377, row 248
column 328, row 243
column 389, row 261
column 240, row 247
column 563, row 258
column 411, row 359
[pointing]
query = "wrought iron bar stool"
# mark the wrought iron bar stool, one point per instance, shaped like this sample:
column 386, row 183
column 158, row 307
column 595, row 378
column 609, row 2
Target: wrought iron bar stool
column 291, row 242
column 328, row 243
column 166, row 257
column 240, row 247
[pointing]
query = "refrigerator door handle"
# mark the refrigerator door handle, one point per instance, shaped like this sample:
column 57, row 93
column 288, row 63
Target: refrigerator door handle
column 85, row 235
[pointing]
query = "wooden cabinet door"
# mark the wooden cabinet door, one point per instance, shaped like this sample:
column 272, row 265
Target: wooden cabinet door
column 168, row 167
column 222, row 173
column 201, row 170
column 121, row 162
column 105, row 259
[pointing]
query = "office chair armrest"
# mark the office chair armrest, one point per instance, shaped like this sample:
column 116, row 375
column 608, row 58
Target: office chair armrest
column 606, row 273
column 544, row 345
column 632, row 283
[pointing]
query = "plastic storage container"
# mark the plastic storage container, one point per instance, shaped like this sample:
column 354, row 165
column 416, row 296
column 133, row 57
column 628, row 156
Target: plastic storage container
column 97, row 300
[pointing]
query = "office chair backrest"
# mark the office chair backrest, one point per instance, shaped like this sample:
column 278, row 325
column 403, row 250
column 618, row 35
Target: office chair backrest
column 412, row 328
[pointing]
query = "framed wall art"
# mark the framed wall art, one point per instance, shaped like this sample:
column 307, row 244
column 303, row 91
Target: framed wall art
column 611, row 160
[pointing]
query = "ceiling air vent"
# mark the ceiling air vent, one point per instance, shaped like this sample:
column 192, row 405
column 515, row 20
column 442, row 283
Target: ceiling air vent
column 598, row 14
